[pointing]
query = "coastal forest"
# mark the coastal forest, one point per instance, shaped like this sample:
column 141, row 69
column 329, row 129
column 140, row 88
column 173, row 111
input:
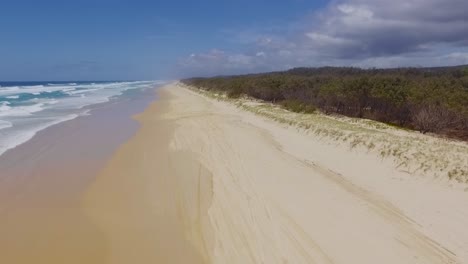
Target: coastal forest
column 430, row 100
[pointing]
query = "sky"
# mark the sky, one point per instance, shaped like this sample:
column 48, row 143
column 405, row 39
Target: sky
column 148, row 40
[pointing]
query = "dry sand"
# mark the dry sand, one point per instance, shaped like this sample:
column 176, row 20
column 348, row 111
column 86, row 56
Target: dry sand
column 206, row 182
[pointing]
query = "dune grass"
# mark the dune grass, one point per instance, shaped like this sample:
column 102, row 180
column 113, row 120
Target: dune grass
column 410, row 151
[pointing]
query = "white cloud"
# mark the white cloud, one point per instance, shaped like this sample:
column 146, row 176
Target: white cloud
column 326, row 40
column 260, row 54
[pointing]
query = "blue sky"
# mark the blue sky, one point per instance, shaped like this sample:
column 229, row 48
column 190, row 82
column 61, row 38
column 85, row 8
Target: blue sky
column 109, row 40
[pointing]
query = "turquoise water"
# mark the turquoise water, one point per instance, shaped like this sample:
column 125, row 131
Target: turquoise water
column 28, row 107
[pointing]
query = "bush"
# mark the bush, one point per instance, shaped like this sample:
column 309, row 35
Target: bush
column 235, row 91
column 234, row 94
column 298, row 107
column 432, row 119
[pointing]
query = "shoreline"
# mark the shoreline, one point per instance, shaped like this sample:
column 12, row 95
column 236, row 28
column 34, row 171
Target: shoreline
column 42, row 181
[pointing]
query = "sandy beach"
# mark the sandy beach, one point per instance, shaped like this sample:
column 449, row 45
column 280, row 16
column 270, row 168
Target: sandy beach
column 204, row 181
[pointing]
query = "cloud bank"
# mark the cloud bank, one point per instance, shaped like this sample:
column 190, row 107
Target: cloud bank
column 365, row 33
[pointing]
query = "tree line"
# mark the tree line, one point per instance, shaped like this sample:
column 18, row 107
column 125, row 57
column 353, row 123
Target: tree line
column 426, row 99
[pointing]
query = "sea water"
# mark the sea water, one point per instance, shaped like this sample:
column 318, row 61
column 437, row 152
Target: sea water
column 29, row 107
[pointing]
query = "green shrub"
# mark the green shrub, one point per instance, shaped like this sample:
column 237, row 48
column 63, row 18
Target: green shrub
column 298, row 106
column 234, row 94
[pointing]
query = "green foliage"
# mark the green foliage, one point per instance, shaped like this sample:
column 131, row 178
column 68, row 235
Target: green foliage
column 298, row 107
column 234, row 94
column 465, row 71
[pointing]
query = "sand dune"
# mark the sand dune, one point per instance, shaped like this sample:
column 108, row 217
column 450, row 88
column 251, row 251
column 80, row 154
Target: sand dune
column 206, row 182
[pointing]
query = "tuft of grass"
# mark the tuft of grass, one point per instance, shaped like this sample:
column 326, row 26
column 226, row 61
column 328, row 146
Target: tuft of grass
column 234, row 94
column 298, row 107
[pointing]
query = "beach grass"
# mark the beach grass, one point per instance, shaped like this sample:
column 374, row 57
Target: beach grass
column 410, row 151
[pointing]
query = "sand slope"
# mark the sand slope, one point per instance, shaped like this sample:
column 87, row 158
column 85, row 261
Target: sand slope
column 205, row 182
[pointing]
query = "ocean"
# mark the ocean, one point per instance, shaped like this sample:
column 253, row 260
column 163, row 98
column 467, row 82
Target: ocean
column 29, row 107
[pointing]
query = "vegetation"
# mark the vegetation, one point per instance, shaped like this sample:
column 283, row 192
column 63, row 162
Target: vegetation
column 426, row 99
column 298, row 106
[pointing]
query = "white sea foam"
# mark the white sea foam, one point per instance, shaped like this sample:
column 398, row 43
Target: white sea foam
column 36, row 89
column 8, row 111
column 9, row 90
column 5, row 124
column 51, row 102
column 12, row 139
column 4, row 106
column 12, row 97
column 74, row 91
column 60, row 84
